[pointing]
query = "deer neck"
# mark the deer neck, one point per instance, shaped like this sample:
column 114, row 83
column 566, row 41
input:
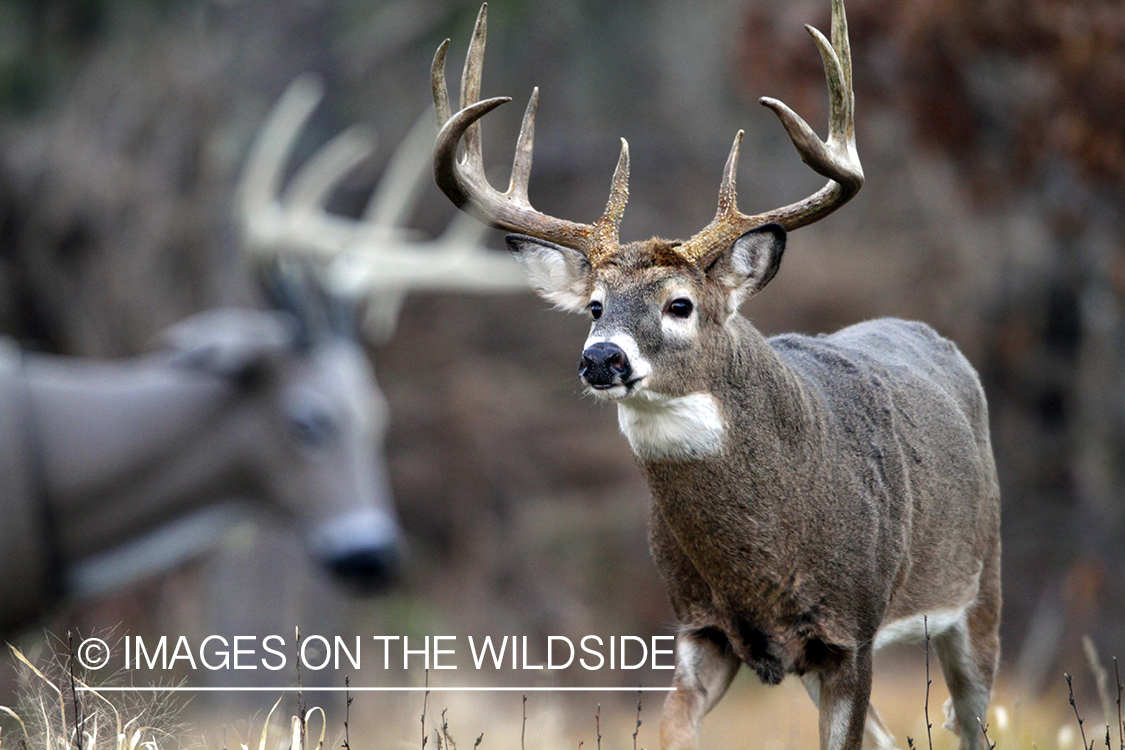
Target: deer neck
column 746, row 395
column 124, row 445
column 735, row 502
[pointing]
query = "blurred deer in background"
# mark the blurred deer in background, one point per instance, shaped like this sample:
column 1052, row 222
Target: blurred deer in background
column 116, row 469
column 815, row 497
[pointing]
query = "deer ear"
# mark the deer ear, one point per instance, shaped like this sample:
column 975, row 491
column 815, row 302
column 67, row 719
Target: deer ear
column 558, row 274
column 750, row 262
column 230, row 342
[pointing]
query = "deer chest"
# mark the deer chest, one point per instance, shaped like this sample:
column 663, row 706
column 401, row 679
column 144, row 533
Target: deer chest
column 778, row 616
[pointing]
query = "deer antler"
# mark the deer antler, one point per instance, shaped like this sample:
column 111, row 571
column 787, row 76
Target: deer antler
column 465, row 184
column 375, row 256
column 463, row 180
column 296, row 220
column 836, row 159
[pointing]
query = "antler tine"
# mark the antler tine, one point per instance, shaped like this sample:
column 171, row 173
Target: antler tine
column 521, row 165
column 464, row 181
column 836, row 158
column 470, row 87
column 264, row 164
column 311, row 187
column 605, row 236
column 728, row 192
column 261, row 177
column 843, row 47
column 823, row 157
column 438, row 87
column 466, row 187
column 295, row 220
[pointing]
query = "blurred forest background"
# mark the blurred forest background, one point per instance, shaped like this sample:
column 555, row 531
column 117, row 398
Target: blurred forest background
column 992, row 133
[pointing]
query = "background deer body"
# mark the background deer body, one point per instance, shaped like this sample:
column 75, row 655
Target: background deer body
column 236, row 409
column 814, row 497
column 279, row 408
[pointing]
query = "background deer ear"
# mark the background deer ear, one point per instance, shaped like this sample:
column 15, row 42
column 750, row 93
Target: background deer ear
column 558, row 274
column 230, row 342
column 750, row 262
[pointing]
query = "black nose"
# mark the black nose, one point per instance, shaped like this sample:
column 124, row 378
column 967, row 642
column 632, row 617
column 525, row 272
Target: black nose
column 368, row 569
column 604, row 364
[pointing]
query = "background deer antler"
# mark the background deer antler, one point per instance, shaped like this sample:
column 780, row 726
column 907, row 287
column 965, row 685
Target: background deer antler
column 376, row 256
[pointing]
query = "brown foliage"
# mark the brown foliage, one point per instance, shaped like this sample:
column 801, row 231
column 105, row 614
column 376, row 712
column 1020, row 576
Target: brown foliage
column 1007, row 87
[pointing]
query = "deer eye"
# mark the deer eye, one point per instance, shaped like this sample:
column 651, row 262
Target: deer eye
column 313, row 429
column 310, row 420
column 680, row 307
column 595, row 309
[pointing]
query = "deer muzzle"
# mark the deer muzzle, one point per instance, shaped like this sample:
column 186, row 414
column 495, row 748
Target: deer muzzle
column 363, row 550
column 604, row 365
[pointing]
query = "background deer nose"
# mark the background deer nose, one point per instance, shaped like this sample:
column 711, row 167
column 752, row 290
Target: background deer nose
column 604, row 364
column 363, row 549
column 368, row 570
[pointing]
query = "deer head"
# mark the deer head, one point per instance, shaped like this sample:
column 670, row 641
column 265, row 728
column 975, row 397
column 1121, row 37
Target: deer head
column 323, row 269
column 656, row 305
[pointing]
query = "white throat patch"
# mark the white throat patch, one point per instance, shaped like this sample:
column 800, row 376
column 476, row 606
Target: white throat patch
column 659, row 426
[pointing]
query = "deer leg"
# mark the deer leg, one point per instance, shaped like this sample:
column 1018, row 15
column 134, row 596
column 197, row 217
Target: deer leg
column 876, row 734
column 968, row 652
column 969, row 689
column 705, row 666
column 843, row 696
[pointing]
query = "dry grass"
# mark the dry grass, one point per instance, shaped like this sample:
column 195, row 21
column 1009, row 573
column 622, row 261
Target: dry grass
column 750, row 716
column 50, row 710
column 57, row 711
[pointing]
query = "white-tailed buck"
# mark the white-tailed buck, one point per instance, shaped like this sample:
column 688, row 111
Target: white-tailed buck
column 112, row 470
column 815, row 497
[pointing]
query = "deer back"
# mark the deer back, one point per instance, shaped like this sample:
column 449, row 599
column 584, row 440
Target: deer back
column 27, row 584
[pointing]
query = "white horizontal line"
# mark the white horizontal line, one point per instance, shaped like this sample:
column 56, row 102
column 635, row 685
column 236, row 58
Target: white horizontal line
column 158, row 689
